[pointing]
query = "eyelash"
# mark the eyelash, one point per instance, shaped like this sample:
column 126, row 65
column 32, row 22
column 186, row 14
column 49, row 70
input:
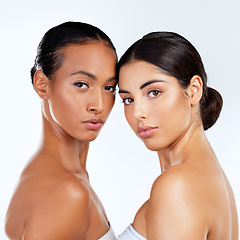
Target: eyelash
column 157, row 92
column 107, row 88
column 80, row 84
column 113, row 89
column 125, row 99
column 154, row 91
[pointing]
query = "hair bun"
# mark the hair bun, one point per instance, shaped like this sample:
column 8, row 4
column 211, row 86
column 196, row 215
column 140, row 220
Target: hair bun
column 211, row 106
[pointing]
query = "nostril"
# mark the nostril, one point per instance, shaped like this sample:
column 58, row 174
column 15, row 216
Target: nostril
column 97, row 110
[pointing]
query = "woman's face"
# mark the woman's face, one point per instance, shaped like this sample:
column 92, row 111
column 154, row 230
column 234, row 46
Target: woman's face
column 82, row 93
column 156, row 107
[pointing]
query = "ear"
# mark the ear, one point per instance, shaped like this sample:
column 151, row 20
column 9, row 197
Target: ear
column 195, row 90
column 41, row 83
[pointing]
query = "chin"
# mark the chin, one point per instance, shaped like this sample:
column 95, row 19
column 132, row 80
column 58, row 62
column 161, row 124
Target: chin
column 87, row 138
column 92, row 139
column 152, row 148
column 151, row 145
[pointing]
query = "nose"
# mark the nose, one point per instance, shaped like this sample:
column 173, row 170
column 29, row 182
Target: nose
column 96, row 103
column 140, row 110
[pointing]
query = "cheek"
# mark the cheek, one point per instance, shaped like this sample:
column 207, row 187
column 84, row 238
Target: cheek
column 109, row 103
column 130, row 117
column 65, row 107
column 175, row 113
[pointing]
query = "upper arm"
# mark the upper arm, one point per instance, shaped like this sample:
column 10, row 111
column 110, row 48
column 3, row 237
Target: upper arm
column 62, row 214
column 175, row 211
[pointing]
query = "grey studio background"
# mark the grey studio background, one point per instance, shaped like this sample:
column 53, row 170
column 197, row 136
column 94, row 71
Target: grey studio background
column 121, row 168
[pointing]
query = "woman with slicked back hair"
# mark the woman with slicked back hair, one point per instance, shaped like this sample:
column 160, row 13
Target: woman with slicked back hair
column 167, row 103
column 75, row 76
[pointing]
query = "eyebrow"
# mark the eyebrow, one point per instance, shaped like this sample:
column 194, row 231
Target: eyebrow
column 142, row 86
column 123, row 91
column 92, row 76
column 112, row 79
column 85, row 73
column 149, row 82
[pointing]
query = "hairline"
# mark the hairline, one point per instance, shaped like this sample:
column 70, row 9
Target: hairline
column 85, row 41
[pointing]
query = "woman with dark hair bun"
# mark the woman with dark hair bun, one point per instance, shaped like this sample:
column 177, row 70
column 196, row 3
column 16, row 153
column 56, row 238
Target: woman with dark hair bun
column 75, row 76
column 167, row 103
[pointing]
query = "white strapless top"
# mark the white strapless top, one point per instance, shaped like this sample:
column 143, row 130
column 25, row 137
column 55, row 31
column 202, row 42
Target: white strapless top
column 110, row 235
column 130, row 234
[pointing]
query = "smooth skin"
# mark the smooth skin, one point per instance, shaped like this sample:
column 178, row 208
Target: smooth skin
column 54, row 199
column 192, row 198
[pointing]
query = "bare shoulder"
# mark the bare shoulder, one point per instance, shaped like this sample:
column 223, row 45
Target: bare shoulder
column 51, row 206
column 174, row 201
column 55, row 187
column 61, row 208
column 175, row 180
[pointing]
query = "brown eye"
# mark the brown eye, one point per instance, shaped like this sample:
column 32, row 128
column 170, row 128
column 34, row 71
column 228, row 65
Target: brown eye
column 154, row 93
column 110, row 88
column 127, row 101
column 80, row 85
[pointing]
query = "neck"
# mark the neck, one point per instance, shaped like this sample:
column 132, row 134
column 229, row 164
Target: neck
column 64, row 150
column 178, row 152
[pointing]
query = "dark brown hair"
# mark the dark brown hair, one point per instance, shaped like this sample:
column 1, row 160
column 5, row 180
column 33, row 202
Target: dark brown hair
column 176, row 56
column 49, row 55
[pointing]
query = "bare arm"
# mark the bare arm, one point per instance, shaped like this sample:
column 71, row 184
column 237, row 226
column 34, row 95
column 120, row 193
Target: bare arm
column 175, row 211
column 61, row 215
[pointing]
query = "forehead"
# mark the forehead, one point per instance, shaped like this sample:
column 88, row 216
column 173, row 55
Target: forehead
column 88, row 53
column 139, row 64
column 137, row 72
column 95, row 58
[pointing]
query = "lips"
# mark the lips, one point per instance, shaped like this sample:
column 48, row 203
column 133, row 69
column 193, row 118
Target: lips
column 146, row 131
column 94, row 123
